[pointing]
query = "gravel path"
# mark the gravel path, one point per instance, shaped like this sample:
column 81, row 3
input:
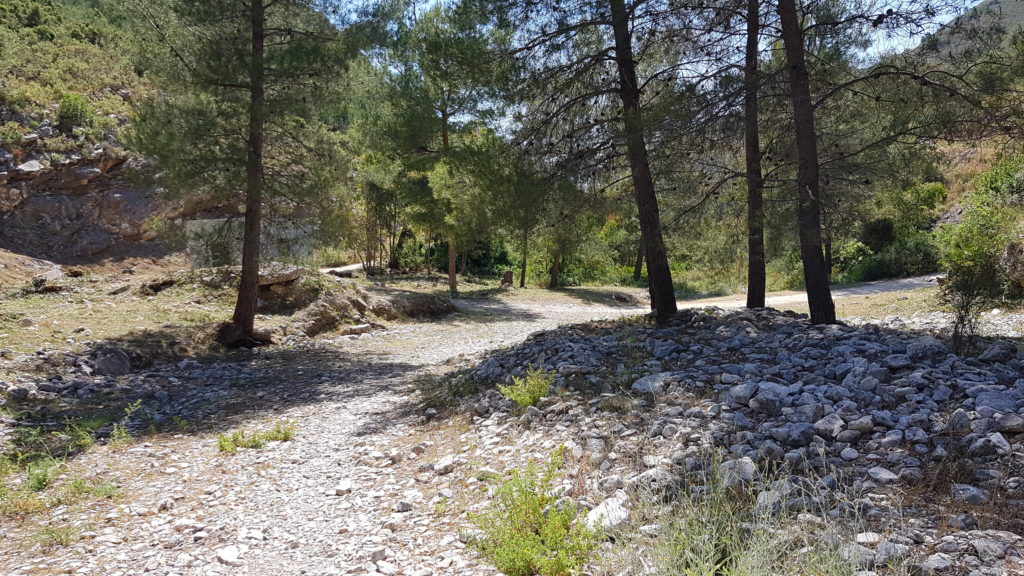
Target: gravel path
column 781, row 299
column 354, row 493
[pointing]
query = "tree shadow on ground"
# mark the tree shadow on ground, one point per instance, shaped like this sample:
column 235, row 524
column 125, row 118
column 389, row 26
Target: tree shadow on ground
column 609, row 297
column 489, row 311
column 227, row 390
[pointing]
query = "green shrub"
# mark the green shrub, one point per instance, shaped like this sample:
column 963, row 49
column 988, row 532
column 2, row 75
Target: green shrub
column 723, row 531
column 849, row 254
column 75, row 110
column 1004, row 184
column 912, row 255
column 40, row 474
column 970, row 253
column 915, row 207
column 786, row 273
column 527, row 391
column 330, row 257
column 878, row 233
column 527, row 530
column 11, row 136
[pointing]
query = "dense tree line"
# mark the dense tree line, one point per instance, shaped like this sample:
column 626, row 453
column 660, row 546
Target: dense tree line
column 635, row 140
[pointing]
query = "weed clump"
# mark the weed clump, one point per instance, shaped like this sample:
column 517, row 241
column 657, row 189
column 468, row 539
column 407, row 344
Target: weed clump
column 281, row 432
column 119, row 435
column 50, row 537
column 529, row 530
column 734, row 528
column 527, row 391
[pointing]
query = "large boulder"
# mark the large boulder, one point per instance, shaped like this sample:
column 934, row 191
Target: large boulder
column 112, row 362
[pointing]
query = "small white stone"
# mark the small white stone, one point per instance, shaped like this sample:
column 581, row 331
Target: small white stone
column 869, row 538
column 228, row 556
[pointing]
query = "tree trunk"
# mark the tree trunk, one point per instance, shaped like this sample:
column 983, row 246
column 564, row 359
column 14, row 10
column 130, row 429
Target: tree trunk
column 819, row 296
column 658, row 274
column 526, row 246
column 240, row 331
column 756, row 275
column 555, row 266
column 638, row 268
column 453, row 282
column 828, row 253
column 453, row 286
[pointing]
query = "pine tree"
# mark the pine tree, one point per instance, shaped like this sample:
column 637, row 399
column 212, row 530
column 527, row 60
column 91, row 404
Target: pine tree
column 243, row 83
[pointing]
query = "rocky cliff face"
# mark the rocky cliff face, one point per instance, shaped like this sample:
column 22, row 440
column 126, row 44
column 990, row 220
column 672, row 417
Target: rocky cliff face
column 75, row 211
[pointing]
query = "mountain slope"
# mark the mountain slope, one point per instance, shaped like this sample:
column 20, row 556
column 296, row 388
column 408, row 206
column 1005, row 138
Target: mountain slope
column 991, row 25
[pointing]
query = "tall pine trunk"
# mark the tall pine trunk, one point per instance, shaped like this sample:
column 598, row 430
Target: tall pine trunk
column 638, row 268
column 453, row 287
column 556, row 266
column 526, row 246
column 659, row 276
column 756, row 275
column 453, row 283
column 241, row 329
column 819, row 295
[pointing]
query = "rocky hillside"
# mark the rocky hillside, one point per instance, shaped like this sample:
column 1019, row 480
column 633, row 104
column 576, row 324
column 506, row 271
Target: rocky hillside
column 77, row 211
column 65, row 98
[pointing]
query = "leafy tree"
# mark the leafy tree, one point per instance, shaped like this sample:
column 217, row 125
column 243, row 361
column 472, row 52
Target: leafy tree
column 243, row 85
column 516, row 191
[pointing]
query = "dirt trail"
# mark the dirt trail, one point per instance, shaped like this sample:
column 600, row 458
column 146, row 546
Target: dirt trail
column 331, row 501
column 780, row 299
column 345, row 495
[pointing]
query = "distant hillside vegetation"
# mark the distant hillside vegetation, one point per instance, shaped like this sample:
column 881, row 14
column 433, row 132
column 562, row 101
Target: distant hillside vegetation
column 67, row 76
column 991, row 25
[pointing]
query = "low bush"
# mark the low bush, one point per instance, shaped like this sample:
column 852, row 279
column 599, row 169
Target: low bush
column 49, row 537
column 786, row 273
column 912, row 255
column 1003, row 185
column 850, row 254
column 75, row 111
column 528, row 530
column 878, row 233
column 11, row 136
column 970, row 254
column 528, row 390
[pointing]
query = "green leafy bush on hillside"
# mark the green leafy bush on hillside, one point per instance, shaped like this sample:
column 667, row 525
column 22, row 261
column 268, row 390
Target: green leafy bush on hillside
column 912, row 255
column 1004, row 184
column 56, row 49
column 74, row 111
column 970, row 254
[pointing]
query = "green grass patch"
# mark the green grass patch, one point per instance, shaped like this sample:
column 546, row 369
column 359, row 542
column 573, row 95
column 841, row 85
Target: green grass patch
column 80, row 489
column 49, row 537
column 40, row 474
column 280, row 432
